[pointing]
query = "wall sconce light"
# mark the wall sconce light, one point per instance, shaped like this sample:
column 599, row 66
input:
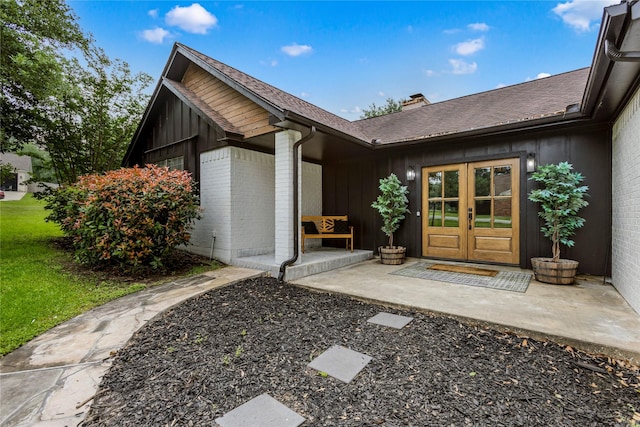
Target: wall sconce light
column 411, row 174
column 531, row 162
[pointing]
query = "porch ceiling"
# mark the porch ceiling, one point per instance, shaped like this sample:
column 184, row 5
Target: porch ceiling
column 321, row 148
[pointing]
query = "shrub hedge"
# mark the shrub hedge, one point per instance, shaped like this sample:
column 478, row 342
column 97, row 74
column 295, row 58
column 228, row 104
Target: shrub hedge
column 130, row 218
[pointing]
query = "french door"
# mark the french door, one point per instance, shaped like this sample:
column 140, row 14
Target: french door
column 470, row 211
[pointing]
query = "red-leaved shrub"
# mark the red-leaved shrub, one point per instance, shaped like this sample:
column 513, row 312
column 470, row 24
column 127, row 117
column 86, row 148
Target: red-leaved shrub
column 130, row 218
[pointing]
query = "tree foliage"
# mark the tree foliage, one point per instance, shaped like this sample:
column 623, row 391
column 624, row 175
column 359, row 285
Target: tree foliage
column 561, row 197
column 129, row 218
column 392, row 204
column 33, row 34
column 84, row 110
column 40, row 162
column 391, row 106
column 93, row 115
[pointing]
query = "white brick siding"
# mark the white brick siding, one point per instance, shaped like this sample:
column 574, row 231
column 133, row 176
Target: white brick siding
column 215, row 200
column 238, row 190
column 284, row 194
column 626, row 203
column 311, row 196
column 253, row 202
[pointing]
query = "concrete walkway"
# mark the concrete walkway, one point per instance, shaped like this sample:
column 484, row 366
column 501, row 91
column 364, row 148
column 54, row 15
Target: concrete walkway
column 11, row 196
column 51, row 380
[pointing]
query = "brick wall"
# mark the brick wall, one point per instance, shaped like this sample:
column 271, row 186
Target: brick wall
column 311, row 196
column 238, row 202
column 252, row 210
column 626, row 203
column 215, row 201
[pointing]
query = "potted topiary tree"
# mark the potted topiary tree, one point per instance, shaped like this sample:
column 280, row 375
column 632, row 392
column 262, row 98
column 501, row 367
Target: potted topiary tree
column 392, row 205
column 561, row 197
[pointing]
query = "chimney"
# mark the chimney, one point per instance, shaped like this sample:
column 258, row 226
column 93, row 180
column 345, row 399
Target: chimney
column 415, row 101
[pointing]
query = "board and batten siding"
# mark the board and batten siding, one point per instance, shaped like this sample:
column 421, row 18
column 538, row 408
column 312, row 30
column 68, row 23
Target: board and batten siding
column 625, row 245
column 350, row 186
column 247, row 116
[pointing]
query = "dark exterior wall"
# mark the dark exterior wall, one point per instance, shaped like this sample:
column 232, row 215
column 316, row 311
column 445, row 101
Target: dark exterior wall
column 173, row 130
column 350, row 185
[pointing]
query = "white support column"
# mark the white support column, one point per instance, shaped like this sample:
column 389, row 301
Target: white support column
column 284, row 193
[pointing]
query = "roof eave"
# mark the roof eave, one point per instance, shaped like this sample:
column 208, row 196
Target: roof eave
column 494, row 130
column 621, row 27
column 291, row 119
column 262, row 102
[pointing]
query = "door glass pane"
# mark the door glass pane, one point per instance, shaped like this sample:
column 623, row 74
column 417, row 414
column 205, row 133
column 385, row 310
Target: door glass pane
column 435, row 214
column 502, row 181
column 451, row 214
column 483, row 214
column 435, row 184
column 482, row 182
column 502, row 213
column 451, row 184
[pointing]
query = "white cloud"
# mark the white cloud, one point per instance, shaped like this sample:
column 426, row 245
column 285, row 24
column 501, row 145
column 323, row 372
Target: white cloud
column 460, row 66
column 193, row 19
column 470, row 47
column 381, row 93
column 579, row 14
column 479, row 26
column 296, row 49
column 430, row 73
column 153, row 13
column 157, row 35
column 452, row 31
column 304, row 94
column 500, row 86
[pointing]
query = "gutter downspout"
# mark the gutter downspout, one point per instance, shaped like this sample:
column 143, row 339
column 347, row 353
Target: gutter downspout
column 615, row 55
column 296, row 232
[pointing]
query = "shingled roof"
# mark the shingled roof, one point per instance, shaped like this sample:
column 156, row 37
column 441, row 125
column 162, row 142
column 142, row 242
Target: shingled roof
column 546, row 97
column 519, row 105
column 279, row 99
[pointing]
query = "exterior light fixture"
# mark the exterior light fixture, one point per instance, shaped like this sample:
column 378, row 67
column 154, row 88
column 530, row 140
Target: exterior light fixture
column 531, row 162
column 411, row 174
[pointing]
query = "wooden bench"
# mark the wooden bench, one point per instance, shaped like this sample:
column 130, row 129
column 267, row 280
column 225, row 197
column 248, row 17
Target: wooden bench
column 327, row 227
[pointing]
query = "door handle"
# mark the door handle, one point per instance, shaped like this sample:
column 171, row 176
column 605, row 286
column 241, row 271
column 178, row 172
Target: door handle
column 470, row 217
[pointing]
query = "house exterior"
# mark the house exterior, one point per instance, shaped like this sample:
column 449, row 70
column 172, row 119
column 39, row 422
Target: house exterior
column 468, row 158
column 22, row 172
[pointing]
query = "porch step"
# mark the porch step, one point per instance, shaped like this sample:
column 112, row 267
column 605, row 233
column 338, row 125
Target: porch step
column 312, row 262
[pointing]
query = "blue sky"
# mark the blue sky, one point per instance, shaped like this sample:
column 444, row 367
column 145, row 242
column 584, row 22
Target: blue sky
column 344, row 56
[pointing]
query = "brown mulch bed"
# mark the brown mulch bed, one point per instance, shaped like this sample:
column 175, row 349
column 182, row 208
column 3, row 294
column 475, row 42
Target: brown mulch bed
column 210, row 354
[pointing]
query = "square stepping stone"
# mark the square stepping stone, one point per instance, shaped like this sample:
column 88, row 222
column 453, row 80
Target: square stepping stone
column 341, row 363
column 390, row 320
column 261, row 411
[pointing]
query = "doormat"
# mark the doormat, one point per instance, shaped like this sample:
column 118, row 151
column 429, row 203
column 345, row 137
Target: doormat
column 514, row 281
column 463, row 269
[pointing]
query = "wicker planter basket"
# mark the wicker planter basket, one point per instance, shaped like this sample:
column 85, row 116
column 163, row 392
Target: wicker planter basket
column 562, row 272
column 392, row 256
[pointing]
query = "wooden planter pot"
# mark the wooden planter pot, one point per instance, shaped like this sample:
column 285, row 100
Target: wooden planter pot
column 562, row 272
column 392, row 255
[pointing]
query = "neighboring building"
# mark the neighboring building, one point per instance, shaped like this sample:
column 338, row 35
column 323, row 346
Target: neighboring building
column 23, row 171
column 468, row 157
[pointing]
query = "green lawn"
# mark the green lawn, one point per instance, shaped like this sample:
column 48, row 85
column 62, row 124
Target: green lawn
column 36, row 293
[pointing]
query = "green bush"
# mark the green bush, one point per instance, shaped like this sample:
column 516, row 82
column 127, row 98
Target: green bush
column 130, row 218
